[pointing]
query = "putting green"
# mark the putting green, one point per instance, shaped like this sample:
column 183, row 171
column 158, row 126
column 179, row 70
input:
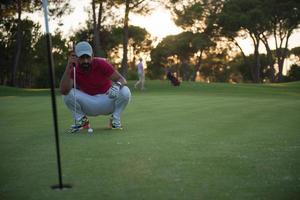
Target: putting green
column 196, row 141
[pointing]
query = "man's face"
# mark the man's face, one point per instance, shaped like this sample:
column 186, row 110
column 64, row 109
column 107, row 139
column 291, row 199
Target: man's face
column 85, row 62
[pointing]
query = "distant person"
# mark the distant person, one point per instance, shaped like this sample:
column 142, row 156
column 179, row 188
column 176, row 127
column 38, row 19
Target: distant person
column 100, row 89
column 141, row 74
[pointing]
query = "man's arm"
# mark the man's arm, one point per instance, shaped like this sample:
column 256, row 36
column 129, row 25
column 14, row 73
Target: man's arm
column 66, row 83
column 117, row 77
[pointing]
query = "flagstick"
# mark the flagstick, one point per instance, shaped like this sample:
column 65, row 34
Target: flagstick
column 52, row 78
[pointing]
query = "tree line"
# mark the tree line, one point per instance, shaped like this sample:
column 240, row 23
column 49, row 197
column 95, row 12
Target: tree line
column 208, row 48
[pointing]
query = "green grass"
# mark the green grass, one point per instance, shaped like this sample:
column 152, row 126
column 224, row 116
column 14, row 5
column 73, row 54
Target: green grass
column 198, row 141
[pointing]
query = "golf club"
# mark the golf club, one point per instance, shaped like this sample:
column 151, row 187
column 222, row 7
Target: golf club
column 90, row 130
column 74, row 73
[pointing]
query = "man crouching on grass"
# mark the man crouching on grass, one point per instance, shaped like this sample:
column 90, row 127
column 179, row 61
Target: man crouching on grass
column 100, row 89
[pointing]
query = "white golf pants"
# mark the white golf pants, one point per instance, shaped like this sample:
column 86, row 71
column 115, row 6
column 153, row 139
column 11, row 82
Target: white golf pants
column 99, row 104
column 141, row 81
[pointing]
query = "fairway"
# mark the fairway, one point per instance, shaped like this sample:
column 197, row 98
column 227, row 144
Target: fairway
column 196, row 141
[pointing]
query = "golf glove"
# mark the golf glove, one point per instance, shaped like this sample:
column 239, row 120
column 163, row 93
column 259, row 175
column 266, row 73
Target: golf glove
column 113, row 92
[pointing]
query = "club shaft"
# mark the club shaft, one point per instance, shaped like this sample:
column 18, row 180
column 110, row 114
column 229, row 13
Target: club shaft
column 75, row 100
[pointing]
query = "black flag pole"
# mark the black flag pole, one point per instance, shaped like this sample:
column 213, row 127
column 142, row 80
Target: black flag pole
column 53, row 98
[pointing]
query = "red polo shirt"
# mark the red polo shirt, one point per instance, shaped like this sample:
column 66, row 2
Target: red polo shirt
column 96, row 80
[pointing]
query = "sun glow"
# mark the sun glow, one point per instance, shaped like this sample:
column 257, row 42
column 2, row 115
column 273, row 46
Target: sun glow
column 159, row 24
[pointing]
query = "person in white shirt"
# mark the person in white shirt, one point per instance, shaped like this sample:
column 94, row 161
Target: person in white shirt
column 141, row 74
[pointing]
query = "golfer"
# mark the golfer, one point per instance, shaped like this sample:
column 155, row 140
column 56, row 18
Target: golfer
column 100, row 89
column 141, row 75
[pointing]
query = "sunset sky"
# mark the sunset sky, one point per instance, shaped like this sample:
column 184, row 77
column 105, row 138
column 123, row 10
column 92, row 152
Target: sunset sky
column 159, row 23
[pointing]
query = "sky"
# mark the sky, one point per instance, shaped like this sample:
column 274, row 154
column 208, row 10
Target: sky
column 159, row 24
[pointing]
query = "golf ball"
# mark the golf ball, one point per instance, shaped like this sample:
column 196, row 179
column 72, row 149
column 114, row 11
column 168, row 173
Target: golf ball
column 90, row 130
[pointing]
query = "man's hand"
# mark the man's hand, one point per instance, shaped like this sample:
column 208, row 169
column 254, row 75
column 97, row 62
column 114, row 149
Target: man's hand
column 72, row 60
column 113, row 92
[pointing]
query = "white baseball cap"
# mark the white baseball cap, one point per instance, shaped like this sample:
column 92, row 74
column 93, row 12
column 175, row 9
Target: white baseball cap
column 83, row 48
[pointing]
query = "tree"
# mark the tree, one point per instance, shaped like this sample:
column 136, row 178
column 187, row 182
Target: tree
column 139, row 42
column 17, row 7
column 7, row 27
column 203, row 43
column 60, row 52
column 215, row 69
column 136, row 6
column 283, row 17
column 97, row 27
column 197, row 16
column 296, row 51
column 180, row 49
column 294, row 73
column 112, row 40
column 8, row 39
column 104, row 11
column 262, row 19
column 248, row 17
column 10, row 9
